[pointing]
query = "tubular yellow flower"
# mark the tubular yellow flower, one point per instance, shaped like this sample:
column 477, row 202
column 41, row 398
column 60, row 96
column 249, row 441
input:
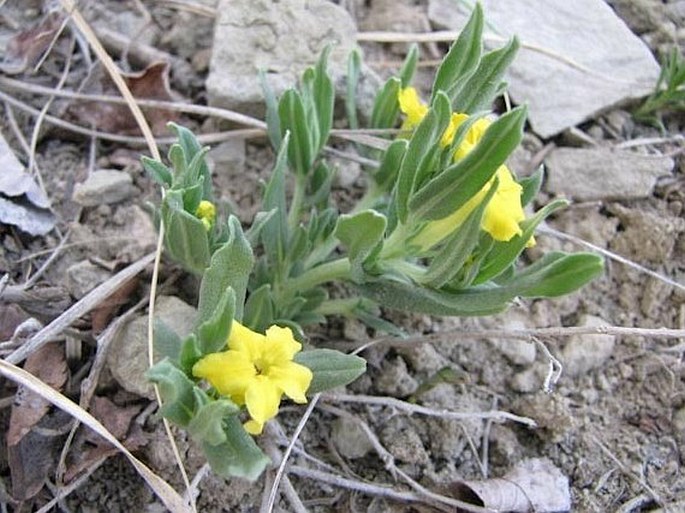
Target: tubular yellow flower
column 411, row 106
column 504, row 211
column 414, row 110
column 256, row 371
column 206, row 212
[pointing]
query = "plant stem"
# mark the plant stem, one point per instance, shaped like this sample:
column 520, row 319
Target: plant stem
column 334, row 270
column 344, row 306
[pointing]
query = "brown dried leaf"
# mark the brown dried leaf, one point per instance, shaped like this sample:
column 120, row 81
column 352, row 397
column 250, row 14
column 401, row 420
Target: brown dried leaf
column 50, row 366
column 101, row 316
column 152, row 83
column 11, row 316
column 26, row 48
column 533, row 485
column 117, row 419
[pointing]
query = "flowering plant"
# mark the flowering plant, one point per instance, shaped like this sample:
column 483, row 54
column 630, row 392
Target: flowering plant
column 438, row 231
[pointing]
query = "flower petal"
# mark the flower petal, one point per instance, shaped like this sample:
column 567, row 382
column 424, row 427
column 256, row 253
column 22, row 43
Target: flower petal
column 504, row 212
column 279, row 346
column 293, row 379
column 230, row 372
column 411, row 105
column 262, row 398
column 245, row 340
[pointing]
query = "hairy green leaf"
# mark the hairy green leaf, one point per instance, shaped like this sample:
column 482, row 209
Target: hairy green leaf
column 330, row 368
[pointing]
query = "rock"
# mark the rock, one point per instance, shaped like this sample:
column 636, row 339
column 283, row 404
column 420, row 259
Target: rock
column 518, row 352
column 400, row 438
column 646, row 236
column 104, row 186
column 84, row 277
column 127, row 359
column 601, row 174
column 282, row 38
column 395, row 380
column 347, row 172
column 529, row 380
column 350, row 439
column 590, row 60
column 583, row 353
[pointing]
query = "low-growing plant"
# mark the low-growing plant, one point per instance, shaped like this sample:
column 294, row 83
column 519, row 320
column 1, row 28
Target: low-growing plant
column 439, row 231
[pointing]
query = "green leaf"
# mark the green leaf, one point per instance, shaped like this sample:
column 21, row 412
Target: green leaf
column 238, row 456
column 167, row 343
column 324, row 98
column 191, row 148
column 503, row 254
column 422, row 143
column 386, row 106
column 531, row 186
column 330, row 368
column 448, row 262
column 176, row 391
column 192, row 195
column 387, row 173
column 230, row 266
column 557, row 274
column 178, row 162
column 273, row 122
column 275, row 232
column 185, row 236
column 190, row 354
column 408, row 68
column 409, row 297
column 293, row 118
column 213, row 332
column 479, row 91
column 354, row 63
column 207, row 425
column 157, row 171
column 462, row 59
column 259, row 309
column 319, row 186
column 260, row 220
column 361, row 233
column 448, row 191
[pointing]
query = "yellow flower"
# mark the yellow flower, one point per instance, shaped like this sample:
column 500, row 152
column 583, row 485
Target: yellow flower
column 256, row 371
column 504, row 212
column 414, row 110
column 206, row 212
column 412, row 106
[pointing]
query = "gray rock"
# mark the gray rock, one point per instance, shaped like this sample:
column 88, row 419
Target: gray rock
column 104, row 186
column 401, row 439
column 282, row 38
column 518, row 352
column 350, row 439
column 84, row 277
column 127, row 359
column 578, row 58
column 395, row 379
column 583, row 353
column 601, row 174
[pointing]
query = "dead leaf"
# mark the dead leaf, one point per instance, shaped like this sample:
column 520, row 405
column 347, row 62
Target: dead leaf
column 533, row 485
column 26, row 48
column 11, row 316
column 35, row 456
column 50, row 366
column 117, row 419
column 26, row 206
column 152, row 83
column 101, row 316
